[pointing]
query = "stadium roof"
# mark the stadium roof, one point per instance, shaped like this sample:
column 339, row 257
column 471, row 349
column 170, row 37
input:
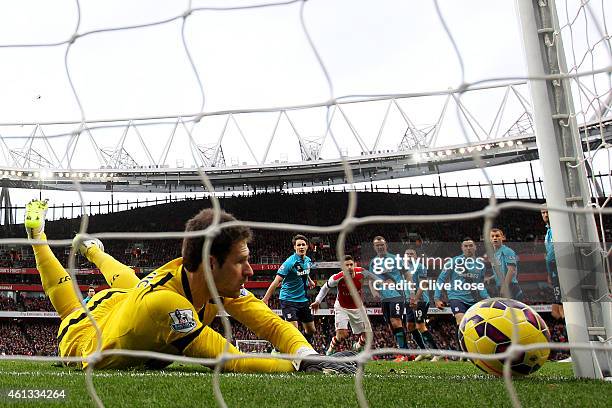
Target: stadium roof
column 369, row 166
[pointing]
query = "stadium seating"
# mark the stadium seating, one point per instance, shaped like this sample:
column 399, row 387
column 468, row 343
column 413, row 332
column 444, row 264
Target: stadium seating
column 36, row 336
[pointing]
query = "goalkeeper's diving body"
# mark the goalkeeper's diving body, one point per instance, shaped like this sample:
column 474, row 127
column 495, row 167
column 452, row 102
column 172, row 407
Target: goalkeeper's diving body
column 168, row 311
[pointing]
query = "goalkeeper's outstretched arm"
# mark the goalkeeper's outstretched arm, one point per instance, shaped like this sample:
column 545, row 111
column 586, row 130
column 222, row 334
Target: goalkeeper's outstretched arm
column 254, row 314
column 210, row 344
column 262, row 321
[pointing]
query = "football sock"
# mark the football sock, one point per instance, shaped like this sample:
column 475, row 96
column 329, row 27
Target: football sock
column 400, row 337
column 429, row 340
column 309, row 338
column 458, row 346
column 418, row 339
column 116, row 274
column 333, row 345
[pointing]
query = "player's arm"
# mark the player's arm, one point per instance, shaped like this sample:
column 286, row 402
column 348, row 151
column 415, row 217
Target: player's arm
column 371, row 279
column 320, row 296
column 255, row 315
column 419, row 290
column 278, row 279
column 408, row 279
column 489, row 277
column 172, row 320
column 210, row 344
column 483, row 293
column 262, row 321
column 439, row 282
column 311, row 283
column 510, row 273
column 332, row 282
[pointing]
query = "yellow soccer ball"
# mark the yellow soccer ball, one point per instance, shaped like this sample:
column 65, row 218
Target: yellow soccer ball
column 487, row 328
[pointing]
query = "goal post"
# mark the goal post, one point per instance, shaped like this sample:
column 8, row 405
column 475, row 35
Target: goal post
column 578, row 252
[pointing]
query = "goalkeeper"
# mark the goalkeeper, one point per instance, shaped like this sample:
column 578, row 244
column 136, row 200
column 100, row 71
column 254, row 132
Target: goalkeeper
column 168, row 311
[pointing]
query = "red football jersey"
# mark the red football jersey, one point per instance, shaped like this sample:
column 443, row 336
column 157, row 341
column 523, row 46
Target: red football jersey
column 344, row 295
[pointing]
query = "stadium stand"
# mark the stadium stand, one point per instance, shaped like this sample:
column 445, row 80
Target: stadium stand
column 36, row 336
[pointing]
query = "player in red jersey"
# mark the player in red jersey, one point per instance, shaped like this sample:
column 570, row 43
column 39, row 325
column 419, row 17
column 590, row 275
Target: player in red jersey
column 345, row 309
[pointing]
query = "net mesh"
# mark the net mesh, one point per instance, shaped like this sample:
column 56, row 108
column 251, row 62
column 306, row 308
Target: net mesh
column 582, row 26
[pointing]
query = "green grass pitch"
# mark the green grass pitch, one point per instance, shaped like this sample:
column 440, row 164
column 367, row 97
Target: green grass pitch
column 386, row 384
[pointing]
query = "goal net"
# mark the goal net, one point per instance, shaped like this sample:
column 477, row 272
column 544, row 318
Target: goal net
column 242, row 97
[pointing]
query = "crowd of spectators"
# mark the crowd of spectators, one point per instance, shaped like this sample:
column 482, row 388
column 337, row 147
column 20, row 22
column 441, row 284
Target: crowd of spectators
column 316, row 208
column 523, row 228
column 24, row 303
column 38, row 336
column 28, row 338
column 269, row 246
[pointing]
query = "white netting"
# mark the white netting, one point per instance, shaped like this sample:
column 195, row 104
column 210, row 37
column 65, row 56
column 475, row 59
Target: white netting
column 582, row 26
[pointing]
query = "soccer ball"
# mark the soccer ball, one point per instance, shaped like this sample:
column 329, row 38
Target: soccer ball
column 487, row 328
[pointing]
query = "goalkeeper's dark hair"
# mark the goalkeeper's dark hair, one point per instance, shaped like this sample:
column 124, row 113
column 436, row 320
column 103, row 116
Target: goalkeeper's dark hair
column 348, row 258
column 222, row 242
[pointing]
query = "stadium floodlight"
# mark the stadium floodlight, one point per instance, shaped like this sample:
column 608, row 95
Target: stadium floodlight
column 487, row 146
column 519, row 142
column 510, row 142
column 36, row 174
column 501, row 144
column 479, row 148
column 449, row 152
column 45, row 174
column 462, row 150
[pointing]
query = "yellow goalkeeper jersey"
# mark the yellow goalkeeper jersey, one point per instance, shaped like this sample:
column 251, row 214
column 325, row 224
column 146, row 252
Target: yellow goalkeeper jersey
column 158, row 315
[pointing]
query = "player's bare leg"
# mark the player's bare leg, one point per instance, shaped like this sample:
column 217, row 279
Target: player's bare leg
column 116, row 274
column 458, row 318
column 557, row 311
column 341, row 335
column 56, row 281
